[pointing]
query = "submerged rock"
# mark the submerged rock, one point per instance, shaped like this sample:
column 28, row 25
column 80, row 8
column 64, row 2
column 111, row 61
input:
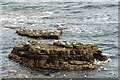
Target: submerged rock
column 39, row 33
column 59, row 55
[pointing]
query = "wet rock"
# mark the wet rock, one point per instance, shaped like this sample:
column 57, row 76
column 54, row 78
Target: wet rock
column 99, row 56
column 59, row 55
column 39, row 33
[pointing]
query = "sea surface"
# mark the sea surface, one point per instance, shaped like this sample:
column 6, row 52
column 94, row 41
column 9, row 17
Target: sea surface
column 86, row 22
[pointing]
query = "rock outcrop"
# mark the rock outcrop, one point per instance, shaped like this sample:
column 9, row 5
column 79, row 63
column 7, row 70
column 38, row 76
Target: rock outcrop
column 39, row 33
column 59, row 55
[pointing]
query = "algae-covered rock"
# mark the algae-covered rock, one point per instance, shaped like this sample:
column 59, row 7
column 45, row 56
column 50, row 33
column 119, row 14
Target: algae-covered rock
column 39, row 33
column 59, row 55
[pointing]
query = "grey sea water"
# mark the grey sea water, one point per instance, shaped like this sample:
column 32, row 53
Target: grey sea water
column 86, row 22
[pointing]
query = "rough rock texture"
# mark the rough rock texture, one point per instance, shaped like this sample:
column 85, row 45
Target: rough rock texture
column 39, row 33
column 59, row 55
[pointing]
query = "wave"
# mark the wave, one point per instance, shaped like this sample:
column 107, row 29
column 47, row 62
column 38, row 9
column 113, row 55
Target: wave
column 8, row 3
column 111, row 5
column 106, row 44
column 17, row 7
column 76, row 11
column 91, row 6
column 99, row 6
column 113, row 56
column 66, row 5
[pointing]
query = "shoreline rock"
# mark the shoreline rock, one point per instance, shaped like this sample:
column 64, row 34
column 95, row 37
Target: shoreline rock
column 39, row 33
column 57, row 56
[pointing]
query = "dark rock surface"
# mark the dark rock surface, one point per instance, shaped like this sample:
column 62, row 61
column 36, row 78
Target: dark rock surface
column 59, row 55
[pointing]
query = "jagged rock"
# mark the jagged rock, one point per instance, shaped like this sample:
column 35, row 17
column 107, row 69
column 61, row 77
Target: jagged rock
column 39, row 33
column 59, row 55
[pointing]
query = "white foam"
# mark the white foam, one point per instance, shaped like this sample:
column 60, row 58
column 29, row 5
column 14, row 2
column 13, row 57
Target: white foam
column 102, row 62
column 48, row 12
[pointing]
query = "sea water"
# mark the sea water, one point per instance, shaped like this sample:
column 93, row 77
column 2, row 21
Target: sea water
column 86, row 22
